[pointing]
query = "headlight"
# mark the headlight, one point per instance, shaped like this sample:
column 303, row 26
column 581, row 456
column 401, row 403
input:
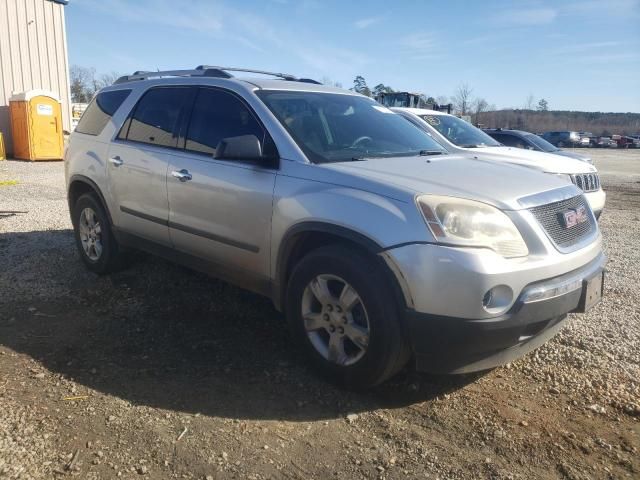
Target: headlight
column 466, row 223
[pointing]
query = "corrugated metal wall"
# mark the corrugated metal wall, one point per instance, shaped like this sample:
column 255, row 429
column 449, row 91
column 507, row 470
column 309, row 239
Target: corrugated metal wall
column 33, row 54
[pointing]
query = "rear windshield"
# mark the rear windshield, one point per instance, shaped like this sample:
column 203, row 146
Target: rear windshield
column 100, row 111
column 460, row 132
column 333, row 127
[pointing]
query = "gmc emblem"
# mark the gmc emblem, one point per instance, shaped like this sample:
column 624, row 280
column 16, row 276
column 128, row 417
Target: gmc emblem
column 575, row 216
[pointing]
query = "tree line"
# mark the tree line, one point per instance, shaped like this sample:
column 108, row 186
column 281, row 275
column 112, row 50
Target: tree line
column 85, row 82
column 534, row 116
column 463, row 101
column 598, row 123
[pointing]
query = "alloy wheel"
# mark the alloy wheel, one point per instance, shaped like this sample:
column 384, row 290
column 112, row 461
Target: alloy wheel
column 90, row 234
column 335, row 319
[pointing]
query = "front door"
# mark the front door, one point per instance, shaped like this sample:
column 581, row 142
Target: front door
column 220, row 210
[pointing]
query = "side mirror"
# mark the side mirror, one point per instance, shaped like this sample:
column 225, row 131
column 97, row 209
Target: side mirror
column 243, row 147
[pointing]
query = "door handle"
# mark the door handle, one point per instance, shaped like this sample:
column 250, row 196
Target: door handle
column 182, row 175
column 117, row 161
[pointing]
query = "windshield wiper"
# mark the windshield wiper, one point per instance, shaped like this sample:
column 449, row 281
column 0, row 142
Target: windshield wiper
column 425, row 153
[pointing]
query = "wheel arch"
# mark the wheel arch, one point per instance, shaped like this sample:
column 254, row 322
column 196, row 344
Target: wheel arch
column 304, row 237
column 79, row 185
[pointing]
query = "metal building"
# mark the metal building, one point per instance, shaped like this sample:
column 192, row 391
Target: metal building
column 33, row 54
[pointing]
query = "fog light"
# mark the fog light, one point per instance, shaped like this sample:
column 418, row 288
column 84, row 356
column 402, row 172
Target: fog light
column 498, row 298
column 486, row 300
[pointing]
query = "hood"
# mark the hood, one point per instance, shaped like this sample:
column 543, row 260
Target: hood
column 577, row 156
column 491, row 182
column 546, row 162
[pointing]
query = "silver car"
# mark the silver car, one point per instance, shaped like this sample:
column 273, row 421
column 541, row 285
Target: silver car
column 378, row 246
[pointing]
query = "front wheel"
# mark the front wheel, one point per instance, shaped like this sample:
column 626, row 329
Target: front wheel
column 341, row 310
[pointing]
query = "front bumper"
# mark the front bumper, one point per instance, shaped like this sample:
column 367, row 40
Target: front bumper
column 452, row 281
column 445, row 344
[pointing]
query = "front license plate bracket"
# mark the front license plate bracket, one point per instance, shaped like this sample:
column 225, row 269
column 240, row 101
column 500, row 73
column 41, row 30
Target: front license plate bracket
column 592, row 289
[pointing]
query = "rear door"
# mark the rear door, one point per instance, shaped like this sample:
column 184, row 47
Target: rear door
column 138, row 161
column 220, row 210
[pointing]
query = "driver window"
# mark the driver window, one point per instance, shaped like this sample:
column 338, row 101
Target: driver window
column 217, row 115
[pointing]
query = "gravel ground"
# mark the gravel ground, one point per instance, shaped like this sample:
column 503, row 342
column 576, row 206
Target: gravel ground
column 161, row 372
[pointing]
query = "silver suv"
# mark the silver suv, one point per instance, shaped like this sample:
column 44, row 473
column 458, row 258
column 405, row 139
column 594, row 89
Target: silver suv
column 377, row 245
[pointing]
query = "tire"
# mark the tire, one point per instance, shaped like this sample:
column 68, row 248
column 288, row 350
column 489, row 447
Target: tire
column 105, row 255
column 375, row 357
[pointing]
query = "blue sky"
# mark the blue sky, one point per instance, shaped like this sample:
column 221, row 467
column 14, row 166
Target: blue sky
column 579, row 55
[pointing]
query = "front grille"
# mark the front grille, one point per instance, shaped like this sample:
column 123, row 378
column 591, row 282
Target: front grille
column 551, row 218
column 587, row 182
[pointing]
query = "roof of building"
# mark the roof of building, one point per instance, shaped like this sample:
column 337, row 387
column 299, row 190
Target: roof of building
column 61, row 2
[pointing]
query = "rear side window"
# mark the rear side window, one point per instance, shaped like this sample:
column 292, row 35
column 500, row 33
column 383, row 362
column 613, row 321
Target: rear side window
column 100, row 111
column 156, row 117
column 509, row 140
column 217, row 115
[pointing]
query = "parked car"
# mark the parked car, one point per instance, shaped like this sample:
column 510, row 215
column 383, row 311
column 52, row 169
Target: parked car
column 603, row 142
column 626, row 141
column 563, row 139
column 377, row 245
column 530, row 141
column 585, row 138
column 458, row 136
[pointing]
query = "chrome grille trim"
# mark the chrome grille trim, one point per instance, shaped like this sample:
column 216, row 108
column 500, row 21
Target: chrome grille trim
column 587, row 182
column 549, row 196
column 550, row 218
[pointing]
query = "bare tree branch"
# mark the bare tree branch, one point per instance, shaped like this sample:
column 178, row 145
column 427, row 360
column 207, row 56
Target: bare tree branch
column 462, row 99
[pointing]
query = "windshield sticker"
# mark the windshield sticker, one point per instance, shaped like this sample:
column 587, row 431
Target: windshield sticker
column 432, row 120
column 382, row 109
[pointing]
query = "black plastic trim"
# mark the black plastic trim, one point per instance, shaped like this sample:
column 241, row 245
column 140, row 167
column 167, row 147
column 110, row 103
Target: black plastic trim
column 288, row 244
column 192, row 231
column 215, row 238
column 444, row 344
column 144, row 216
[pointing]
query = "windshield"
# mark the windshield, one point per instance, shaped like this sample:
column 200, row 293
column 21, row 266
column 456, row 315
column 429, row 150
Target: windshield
column 459, row 132
column 541, row 143
column 331, row 127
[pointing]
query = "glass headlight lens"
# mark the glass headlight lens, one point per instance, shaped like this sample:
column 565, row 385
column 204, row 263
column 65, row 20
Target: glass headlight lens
column 467, row 223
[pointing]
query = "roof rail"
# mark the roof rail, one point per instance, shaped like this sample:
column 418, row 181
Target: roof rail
column 207, row 71
column 284, row 76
